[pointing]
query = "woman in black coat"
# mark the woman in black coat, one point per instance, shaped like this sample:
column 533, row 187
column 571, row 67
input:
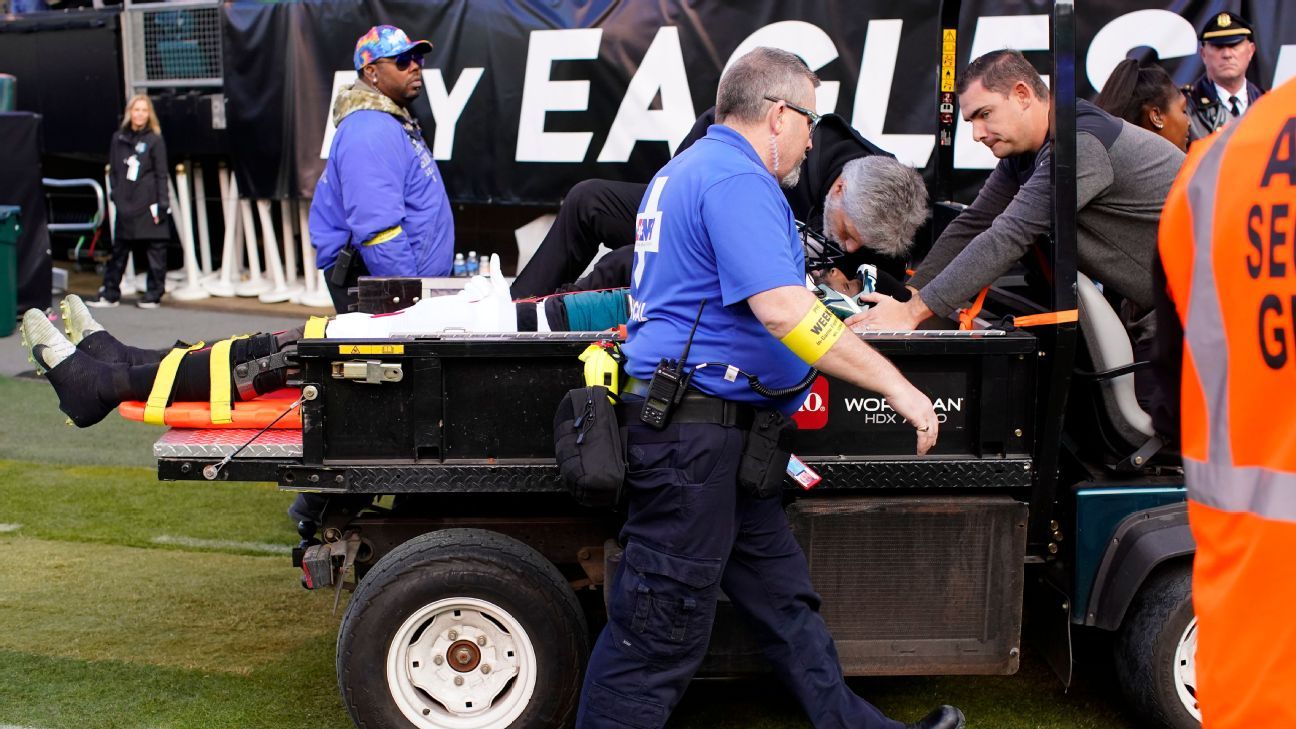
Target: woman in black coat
column 137, row 171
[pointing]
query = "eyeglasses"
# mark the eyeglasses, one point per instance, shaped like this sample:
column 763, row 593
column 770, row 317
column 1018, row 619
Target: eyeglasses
column 404, row 60
column 812, row 118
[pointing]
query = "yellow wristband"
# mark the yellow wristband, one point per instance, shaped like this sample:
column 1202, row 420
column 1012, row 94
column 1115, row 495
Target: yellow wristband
column 818, row 331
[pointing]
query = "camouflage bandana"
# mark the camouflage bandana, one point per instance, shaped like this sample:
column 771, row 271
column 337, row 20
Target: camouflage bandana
column 362, row 97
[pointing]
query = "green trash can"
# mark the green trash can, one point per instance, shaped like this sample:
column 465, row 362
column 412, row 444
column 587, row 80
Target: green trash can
column 10, row 224
column 8, row 92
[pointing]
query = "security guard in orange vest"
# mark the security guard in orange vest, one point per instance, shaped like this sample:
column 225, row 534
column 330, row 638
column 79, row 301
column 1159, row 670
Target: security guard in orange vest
column 1228, row 244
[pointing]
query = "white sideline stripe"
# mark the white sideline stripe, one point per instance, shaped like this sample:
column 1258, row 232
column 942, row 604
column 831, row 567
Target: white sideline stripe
column 4, row 528
column 14, row 726
column 227, row 544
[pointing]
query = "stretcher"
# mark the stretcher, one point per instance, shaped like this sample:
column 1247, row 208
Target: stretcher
column 270, row 410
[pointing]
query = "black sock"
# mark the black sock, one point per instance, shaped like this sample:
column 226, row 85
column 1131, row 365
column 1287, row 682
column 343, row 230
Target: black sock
column 89, row 389
column 106, row 348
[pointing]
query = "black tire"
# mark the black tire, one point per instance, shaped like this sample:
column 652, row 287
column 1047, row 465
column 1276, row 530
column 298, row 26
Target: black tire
column 427, row 579
column 1146, row 647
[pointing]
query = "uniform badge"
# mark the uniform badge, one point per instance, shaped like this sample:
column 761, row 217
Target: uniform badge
column 1223, row 20
column 140, row 147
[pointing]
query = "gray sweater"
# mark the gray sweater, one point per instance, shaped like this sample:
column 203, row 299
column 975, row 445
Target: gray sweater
column 1123, row 175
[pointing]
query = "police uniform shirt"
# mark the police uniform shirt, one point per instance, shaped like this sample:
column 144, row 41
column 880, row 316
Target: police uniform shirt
column 1224, row 96
column 715, row 225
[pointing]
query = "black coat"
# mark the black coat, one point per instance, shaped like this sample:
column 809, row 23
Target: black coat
column 133, row 197
column 1207, row 112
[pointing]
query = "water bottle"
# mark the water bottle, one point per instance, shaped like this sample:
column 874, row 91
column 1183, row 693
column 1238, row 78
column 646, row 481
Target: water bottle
column 460, row 267
column 472, row 265
column 485, row 266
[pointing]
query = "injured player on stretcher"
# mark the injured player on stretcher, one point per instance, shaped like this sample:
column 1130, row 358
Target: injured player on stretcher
column 93, row 372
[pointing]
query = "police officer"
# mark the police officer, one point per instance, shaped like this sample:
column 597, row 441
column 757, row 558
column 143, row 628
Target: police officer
column 1225, row 243
column 714, row 226
column 1223, row 91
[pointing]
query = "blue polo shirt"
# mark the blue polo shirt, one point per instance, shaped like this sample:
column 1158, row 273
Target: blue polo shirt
column 714, row 225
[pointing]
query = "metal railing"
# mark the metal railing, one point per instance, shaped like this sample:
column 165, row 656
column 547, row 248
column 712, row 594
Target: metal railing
column 87, row 226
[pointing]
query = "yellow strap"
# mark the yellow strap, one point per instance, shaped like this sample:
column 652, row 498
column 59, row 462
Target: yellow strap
column 163, row 381
column 221, row 410
column 383, row 236
column 818, row 331
column 315, row 327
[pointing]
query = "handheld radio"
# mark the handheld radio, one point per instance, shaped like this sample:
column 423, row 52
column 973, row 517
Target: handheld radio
column 669, row 383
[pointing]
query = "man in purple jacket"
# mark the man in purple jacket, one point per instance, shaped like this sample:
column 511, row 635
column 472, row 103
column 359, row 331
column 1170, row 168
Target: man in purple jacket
column 380, row 207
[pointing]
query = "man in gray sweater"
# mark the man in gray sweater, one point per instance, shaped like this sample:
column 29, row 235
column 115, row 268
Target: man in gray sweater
column 1123, row 176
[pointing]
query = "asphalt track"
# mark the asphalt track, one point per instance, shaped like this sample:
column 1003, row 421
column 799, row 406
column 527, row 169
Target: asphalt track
column 207, row 320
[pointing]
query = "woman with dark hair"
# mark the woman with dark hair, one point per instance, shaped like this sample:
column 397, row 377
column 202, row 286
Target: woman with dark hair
column 137, row 169
column 1147, row 97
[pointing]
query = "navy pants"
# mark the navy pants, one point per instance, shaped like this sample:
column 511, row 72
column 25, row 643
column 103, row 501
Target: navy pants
column 689, row 534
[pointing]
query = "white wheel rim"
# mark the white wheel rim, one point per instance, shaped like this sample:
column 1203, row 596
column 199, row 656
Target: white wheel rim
column 436, row 688
column 1185, row 669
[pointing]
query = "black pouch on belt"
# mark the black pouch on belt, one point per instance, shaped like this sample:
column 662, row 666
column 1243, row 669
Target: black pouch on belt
column 589, row 448
column 765, row 458
column 341, row 273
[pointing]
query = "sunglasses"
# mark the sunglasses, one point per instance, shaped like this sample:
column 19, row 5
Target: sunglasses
column 404, row 60
column 812, row 118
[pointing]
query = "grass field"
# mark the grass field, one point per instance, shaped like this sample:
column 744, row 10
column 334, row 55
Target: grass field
column 126, row 602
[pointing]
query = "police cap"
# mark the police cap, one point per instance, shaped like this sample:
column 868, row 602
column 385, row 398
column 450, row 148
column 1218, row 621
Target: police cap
column 1226, row 29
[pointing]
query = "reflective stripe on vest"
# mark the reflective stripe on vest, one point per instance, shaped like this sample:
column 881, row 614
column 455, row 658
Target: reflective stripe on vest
column 1220, row 308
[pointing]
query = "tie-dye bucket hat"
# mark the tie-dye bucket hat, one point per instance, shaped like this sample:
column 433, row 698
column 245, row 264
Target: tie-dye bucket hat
column 385, row 41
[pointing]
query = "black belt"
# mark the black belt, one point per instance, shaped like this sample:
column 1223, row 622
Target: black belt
column 696, row 408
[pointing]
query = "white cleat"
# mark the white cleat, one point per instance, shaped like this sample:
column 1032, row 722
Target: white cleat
column 77, row 321
column 45, row 345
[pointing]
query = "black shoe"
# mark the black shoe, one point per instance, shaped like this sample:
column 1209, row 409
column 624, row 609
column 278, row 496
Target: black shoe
column 946, row 717
column 148, row 303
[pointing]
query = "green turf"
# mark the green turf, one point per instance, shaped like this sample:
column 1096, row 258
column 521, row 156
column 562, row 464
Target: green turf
column 113, row 618
column 33, row 429
column 130, row 506
column 216, row 612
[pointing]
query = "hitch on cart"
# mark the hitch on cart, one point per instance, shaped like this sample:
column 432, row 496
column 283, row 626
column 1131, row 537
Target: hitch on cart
column 326, row 565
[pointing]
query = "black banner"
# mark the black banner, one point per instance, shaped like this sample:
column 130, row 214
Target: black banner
column 20, row 158
column 523, row 99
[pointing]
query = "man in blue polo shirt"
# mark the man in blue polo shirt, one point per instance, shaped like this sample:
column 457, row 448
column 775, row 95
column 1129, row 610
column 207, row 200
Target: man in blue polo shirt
column 715, row 226
column 381, row 194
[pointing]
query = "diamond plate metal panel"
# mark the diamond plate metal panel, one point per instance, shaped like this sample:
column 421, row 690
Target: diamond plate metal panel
column 922, row 474
column 218, row 443
column 856, row 476
column 475, row 479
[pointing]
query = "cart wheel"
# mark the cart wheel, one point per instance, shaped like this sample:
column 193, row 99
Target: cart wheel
column 462, row 629
column 1156, row 651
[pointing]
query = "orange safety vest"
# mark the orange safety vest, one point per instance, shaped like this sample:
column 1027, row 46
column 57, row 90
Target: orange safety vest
column 1228, row 245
